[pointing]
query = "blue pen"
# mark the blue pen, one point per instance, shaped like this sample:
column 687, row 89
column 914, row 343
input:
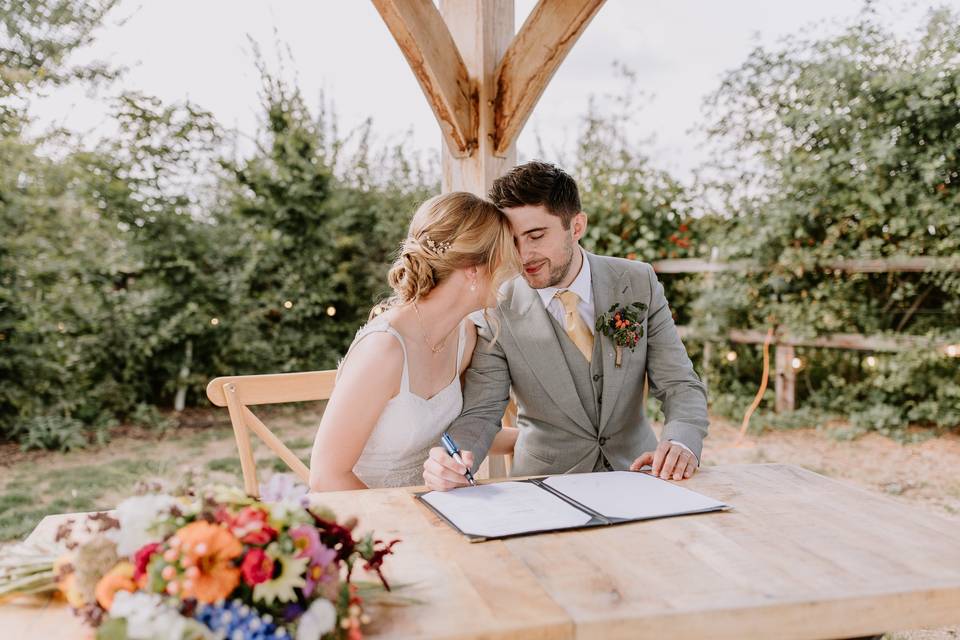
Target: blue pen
column 454, row 452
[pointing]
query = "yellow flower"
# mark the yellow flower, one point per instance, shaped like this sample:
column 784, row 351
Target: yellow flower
column 211, row 549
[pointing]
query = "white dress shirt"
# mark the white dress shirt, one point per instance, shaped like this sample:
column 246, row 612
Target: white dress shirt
column 583, row 287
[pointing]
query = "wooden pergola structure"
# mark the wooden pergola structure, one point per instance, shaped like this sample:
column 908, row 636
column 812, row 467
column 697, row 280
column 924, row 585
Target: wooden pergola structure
column 482, row 79
column 480, row 75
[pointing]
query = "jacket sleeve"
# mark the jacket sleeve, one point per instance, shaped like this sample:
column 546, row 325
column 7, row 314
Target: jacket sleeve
column 672, row 379
column 486, row 393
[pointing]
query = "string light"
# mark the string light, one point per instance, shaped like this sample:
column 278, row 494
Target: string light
column 214, row 321
column 288, row 304
column 796, row 363
column 871, row 362
column 61, row 327
column 953, row 350
column 331, row 311
column 731, row 356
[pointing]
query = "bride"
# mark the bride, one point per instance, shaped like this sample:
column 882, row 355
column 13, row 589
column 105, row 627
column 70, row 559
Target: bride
column 399, row 386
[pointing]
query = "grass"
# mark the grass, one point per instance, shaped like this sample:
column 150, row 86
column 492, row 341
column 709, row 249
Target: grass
column 300, row 443
column 225, row 465
column 98, row 479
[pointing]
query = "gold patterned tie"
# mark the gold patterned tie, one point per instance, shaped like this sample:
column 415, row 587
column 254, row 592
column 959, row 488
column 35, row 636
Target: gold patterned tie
column 576, row 328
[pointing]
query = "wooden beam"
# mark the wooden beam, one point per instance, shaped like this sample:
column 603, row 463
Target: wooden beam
column 851, row 341
column 696, row 265
column 536, row 52
column 426, row 43
column 482, row 31
column 894, row 264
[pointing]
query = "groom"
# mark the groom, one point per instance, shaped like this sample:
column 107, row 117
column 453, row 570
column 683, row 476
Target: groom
column 577, row 410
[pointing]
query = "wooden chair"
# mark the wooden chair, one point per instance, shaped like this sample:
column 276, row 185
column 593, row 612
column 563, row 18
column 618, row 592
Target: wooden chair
column 238, row 393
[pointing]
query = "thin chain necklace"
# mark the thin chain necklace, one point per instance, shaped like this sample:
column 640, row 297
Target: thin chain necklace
column 434, row 349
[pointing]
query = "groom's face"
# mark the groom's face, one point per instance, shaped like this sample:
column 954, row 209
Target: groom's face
column 546, row 248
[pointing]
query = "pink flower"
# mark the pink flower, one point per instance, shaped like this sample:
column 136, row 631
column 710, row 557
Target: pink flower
column 306, row 539
column 250, row 526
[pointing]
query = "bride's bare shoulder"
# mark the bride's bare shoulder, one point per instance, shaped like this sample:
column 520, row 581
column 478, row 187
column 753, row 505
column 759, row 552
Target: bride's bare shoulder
column 375, row 356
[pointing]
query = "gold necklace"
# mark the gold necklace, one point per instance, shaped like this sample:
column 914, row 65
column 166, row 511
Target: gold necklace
column 434, row 349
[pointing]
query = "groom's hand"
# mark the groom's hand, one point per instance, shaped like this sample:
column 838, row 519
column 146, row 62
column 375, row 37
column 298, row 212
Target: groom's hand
column 441, row 472
column 669, row 461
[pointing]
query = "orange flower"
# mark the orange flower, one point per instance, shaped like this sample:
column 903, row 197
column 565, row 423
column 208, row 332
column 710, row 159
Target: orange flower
column 211, row 549
column 120, row 578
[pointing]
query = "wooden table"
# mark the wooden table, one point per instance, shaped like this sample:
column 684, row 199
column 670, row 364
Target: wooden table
column 799, row 556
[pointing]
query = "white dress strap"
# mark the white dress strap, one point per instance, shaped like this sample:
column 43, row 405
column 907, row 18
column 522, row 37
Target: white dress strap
column 461, row 343
column 379, row 325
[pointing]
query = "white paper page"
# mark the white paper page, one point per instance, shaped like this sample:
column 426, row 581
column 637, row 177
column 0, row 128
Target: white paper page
column 505, row 508
column 628, row 494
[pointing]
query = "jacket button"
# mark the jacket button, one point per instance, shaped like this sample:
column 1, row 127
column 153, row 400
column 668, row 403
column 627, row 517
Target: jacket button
column 596, row 377
column 603, row 440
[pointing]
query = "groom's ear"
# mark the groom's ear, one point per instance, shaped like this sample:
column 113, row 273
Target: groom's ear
column 578, row 224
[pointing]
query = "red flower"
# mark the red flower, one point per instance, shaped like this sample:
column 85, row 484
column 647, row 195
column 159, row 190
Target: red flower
column 381, row 550
column 684, row 227
column 142, row 558
column 257, row 566
column 251, row 527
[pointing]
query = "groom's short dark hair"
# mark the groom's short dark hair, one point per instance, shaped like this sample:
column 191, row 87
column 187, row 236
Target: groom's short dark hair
column 538, row 183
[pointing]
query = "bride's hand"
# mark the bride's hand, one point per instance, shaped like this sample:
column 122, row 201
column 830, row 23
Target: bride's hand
column 441, row 472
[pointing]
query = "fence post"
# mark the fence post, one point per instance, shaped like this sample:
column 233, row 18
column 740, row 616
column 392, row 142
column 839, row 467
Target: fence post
column 785, row 384
column 707, row 345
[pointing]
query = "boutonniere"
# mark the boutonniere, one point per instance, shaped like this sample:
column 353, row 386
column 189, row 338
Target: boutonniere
column 624, row 326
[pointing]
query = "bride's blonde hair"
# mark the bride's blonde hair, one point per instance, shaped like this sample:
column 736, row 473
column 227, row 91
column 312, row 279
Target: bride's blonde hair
column 449, row 232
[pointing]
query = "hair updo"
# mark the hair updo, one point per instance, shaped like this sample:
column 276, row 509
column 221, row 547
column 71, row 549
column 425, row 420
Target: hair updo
column 448, row 232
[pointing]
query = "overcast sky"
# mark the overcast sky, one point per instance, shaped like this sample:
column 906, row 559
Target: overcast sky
column 198, row 50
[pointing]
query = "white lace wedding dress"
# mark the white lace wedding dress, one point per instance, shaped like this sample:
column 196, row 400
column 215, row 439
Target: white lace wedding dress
column 409, row 425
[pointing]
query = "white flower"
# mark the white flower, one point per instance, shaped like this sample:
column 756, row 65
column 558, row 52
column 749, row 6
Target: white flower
column 137, row 516
column 281, row 588
column 319, row 619
column 149, row 618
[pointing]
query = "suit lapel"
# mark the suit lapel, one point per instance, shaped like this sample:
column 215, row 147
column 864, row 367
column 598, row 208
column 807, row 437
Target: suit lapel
column 531, row 327
column 609, row 287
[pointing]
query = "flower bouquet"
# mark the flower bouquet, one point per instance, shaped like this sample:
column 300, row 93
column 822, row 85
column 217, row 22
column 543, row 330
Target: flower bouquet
column 216, row 563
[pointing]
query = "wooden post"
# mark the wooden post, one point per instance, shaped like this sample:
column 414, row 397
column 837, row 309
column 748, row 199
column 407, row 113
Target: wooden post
column 708, row 346
column 482, row 31
column 785, row 385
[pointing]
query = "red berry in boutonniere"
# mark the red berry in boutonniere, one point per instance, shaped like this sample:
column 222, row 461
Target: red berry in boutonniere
column 624, row 326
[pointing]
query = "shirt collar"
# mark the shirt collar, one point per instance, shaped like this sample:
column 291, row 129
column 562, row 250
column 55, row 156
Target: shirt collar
column 580, row 285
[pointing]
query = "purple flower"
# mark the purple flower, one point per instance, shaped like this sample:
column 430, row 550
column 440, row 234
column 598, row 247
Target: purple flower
column 306, row 539
column 283, row 487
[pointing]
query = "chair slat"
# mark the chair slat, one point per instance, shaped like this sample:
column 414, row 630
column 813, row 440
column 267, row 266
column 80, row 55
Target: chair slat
column 275, row 388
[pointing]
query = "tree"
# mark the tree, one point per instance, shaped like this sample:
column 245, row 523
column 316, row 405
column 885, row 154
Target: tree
column 845, row 147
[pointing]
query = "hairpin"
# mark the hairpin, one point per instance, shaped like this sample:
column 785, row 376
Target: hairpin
column 439, row 248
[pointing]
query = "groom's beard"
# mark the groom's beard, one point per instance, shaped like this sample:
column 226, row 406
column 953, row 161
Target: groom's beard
column 555, row 274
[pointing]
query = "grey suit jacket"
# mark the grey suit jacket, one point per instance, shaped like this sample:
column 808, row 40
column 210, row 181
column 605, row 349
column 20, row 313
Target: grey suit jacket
column 556, row 433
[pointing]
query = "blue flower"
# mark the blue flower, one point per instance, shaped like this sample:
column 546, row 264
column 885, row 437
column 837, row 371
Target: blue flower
column 237, row 621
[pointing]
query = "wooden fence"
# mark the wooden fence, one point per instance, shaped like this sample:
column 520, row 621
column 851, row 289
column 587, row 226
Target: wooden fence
column 785, row 358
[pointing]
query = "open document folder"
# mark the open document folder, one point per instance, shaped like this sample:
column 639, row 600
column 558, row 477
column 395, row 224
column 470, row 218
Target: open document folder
column 561, row 502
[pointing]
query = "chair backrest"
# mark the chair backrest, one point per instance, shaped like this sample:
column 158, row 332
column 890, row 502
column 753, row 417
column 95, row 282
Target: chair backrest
column 238, row 393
